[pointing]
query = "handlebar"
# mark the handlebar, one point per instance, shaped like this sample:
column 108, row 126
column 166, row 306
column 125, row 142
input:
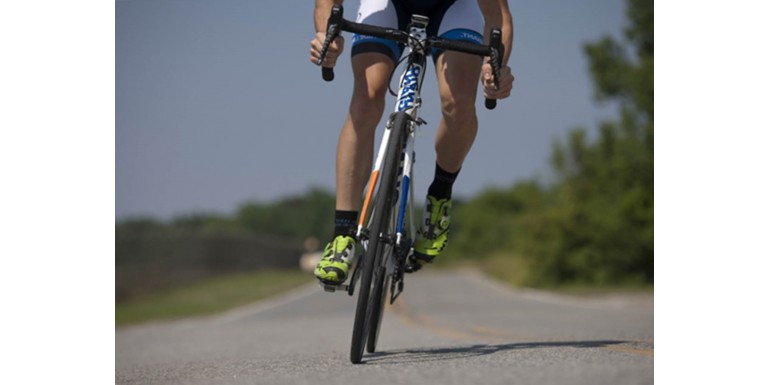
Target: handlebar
column 336, row 23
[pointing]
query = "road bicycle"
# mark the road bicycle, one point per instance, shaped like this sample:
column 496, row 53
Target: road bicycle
column 385, row 234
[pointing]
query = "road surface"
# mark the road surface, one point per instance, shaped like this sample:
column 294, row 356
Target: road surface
column 447, row 328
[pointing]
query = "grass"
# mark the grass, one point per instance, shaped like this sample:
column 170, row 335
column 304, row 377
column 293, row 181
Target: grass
column 512, row 270
column 503, row 267
column 208, row 296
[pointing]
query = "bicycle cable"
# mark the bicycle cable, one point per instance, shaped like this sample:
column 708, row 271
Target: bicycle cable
column 393, row 72
column 421, row 48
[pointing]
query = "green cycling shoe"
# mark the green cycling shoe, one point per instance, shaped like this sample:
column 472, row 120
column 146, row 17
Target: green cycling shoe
column 335, row 262
column 432, row 235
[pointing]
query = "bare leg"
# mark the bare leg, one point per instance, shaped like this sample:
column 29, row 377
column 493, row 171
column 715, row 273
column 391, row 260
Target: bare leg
column 457, row 76
column 355, row 147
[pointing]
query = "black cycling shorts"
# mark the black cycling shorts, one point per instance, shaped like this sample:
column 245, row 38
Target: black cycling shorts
column 449, row 19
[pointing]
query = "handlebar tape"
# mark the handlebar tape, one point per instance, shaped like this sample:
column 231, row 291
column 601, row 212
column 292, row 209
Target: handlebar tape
column 332, row 31
column 327, row 73
column 495, row 58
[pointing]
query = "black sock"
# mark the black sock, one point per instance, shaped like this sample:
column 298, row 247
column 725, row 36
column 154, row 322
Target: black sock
column 345, row 223
column 441, row 188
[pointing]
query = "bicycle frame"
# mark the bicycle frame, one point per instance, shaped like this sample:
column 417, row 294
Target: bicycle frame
column 408, row 101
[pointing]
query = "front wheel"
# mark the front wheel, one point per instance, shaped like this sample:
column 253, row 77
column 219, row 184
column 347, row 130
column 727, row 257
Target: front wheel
column 378, row 307
column 370, row 302
column 363, row 310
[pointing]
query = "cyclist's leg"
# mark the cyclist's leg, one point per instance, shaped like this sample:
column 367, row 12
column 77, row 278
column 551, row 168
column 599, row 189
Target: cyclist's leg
column 356, row 141
column 458, row 76
column 458, row 79
column 372, row 62
column 355, row 149
column 372, row 59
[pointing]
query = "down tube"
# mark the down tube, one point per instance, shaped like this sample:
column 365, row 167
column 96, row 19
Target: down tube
column 373, row 182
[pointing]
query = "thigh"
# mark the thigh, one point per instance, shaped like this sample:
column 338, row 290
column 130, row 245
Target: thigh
column 458, row 73
column 458, row 76
column 371, row 72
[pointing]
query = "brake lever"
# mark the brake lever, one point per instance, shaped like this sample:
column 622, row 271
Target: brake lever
column 332, row 31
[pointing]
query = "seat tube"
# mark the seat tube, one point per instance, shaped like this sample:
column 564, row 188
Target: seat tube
column 406, row 178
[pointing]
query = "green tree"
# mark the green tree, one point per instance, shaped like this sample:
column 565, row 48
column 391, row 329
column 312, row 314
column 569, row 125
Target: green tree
column 298, row 217
column 605, row 189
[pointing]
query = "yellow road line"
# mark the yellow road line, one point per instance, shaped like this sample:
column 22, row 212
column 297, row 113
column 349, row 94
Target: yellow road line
column 425, row 321
column 630, row 350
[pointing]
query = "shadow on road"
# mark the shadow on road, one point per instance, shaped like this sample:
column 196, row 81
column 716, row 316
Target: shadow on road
column 460, row 352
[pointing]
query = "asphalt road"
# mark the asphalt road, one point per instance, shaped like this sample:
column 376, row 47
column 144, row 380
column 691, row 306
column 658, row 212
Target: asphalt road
column 447, row 328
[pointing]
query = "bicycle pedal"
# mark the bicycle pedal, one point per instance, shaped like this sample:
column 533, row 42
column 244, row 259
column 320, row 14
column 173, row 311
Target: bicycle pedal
column 330, row 288
column 412, row 267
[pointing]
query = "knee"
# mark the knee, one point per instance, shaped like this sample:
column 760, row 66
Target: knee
column 366, row 108
column 459, row 110
column 370, row 83
column 367, row 104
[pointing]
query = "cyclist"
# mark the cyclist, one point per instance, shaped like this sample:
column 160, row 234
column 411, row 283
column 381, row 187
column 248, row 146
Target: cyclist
column 372, row 60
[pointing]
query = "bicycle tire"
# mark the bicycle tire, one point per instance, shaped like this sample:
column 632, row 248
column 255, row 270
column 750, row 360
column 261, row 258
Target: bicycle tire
column 366, row 303
column 379, row 295
column 381, row 280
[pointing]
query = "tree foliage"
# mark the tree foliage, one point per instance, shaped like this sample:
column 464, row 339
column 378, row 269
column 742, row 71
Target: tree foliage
column 151, row 255
column 594, row 225
column 298, row 217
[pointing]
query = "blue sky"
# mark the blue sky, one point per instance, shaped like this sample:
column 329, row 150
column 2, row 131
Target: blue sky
column 217, row 103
